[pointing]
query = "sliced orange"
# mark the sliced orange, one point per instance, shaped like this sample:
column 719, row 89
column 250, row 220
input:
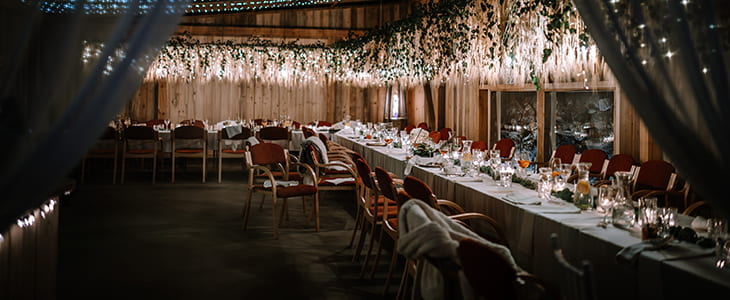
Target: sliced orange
column 583, row 187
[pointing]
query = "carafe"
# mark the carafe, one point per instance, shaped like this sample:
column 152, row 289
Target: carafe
column 623, row 209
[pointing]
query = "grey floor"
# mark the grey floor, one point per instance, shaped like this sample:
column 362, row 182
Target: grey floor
column 185, row 241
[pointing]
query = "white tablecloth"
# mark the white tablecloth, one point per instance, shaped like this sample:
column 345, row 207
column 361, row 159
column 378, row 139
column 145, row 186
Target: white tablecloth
column 167, row 142
column 670, row 273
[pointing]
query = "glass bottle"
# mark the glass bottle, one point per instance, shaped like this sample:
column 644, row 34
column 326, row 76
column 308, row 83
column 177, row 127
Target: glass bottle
column 623, row 209
column 582, row 197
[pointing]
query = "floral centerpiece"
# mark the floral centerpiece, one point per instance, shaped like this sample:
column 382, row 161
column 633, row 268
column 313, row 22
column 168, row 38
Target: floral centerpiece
column 423, row 150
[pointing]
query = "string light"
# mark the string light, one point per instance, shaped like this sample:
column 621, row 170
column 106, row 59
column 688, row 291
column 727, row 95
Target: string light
column 112, row 7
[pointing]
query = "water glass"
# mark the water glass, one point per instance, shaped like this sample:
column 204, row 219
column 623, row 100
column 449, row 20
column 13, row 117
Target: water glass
column 722, row 258
column 505, row 175
column 716, row 228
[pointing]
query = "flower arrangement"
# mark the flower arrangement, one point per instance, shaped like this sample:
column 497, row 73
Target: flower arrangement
column 423, row 150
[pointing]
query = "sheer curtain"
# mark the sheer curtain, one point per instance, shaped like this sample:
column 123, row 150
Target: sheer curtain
column 671, row 59
column 54, row 101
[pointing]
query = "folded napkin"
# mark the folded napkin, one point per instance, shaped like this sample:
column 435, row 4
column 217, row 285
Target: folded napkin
column 557, row 209
column 337, row 181
column 233, row 130
column 521, row 199
column 252, row 140
column 630, row 254
column 267, row 183
column 699, row 224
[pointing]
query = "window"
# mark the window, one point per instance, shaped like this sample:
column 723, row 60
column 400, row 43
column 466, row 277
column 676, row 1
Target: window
column 582, row 118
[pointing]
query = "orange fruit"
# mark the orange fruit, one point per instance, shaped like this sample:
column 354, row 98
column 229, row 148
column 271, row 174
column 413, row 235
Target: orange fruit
column 524, row 163
column 556, row 173
column 583, row 187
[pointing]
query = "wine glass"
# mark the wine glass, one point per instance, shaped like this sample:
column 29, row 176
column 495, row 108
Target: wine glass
column 523, row 161
column 606, row 195
column 264, row 122
column 444, row 149
column 554, row 164
column 316, row 122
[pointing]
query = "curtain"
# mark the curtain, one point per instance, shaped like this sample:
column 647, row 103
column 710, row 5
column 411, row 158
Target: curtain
column 58, row 93
column 671, row 59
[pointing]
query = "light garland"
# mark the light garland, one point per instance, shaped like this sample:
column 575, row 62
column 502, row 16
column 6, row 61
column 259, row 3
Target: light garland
column 30, row 219
column 114, row 7
column 484, row 41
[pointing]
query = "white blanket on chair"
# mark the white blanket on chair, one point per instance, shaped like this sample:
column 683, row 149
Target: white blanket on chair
column 425, row 231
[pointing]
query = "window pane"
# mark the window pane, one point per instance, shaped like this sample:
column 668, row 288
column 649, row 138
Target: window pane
column 518, row 120
column 584, row 119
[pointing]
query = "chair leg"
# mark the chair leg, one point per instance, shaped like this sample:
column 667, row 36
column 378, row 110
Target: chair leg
column 124, row 162
column 276, row 224
column 220, row 164
column 393, row 261
column 316, row 212
column 173, row 167
column 154, row 169
column 284, row 208
column 370, row 248
column 358, row 221
column 205, row 160
column 247, row 208
column 404, row 283
column 377, row 254
column 361, row 240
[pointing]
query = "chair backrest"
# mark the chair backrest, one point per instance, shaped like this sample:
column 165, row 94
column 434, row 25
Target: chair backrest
column 308, row 132
column 575, row 283
column 416, row 188
column 594, row 156
column 487, row 272
column 274, row 133
column 267, row 153
column 323, row 123
column 140, row 133
column 409, row 128
column 296, row 124
column 619, row 162
column 445, row 132
column 505, row 146
column 109, row 133
column 654, row 174
column 245, row 133
column 188, row 132
column 435, row 136
column 479, row 145
column 152, row 123
column 423, row 125
column 566, row 153
column 191, row 122
column 364, row 171
column 324, row 139
column 385, row 184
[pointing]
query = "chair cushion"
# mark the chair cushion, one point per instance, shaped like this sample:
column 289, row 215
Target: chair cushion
column 189, row 150
column 290, row 191
column 323, row 181
column 237, row 151
column 279, row 174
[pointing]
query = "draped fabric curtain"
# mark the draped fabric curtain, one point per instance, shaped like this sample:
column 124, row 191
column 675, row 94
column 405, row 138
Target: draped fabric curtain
column 55, row 97
column 671, row 59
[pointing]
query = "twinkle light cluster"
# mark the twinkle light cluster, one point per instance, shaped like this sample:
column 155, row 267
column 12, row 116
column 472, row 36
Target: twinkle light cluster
column 484, row 41
column 31, row 217
column 208, row 6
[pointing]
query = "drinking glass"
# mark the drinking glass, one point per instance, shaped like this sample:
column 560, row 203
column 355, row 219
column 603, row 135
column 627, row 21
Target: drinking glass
column 545, row 185
column 606, row 196
column 505, row 174
column 716, row 228
column 523, row 161
column 494, row 154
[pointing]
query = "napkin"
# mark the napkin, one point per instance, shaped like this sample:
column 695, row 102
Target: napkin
column 337, row 181
column 252, row 140
column 630, row 254
column 267, row 183
column 521, row 199
column 699, row 224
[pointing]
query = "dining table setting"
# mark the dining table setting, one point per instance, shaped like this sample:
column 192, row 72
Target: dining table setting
column 679, row 260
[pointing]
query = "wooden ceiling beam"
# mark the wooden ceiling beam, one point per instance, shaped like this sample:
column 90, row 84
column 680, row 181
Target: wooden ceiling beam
column 267, row 32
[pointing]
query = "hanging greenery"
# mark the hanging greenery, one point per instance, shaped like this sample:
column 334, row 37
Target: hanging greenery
column 489, row 41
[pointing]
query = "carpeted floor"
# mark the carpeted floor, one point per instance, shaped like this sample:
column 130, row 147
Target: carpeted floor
column 185, row 241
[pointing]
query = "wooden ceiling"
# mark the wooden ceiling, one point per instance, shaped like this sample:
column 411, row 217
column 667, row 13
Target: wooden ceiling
column 314, row 23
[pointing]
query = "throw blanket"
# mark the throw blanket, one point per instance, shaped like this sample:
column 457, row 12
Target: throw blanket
column 305, row 155
column 425, row 231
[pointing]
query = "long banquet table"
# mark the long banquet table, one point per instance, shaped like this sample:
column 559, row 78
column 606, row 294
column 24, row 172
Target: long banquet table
column 679, row 271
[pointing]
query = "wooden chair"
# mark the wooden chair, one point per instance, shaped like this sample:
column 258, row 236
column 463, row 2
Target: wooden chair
column 479, row 145
column 265, row 157
column 153, row 122
column 231, row 146
column 423, row 125
column 145, row 143
column 597, row 158
column 409, row 128
column 193, row 122
column 387, row 187
column 189, row 142
column 506, row 148
column 566, row 153
column 576, row 283
column 276, row 135
column 371, row 209
column 445, row 133
column 653, row 175
column 617, row 162
column 107, row 146
column 435, row 136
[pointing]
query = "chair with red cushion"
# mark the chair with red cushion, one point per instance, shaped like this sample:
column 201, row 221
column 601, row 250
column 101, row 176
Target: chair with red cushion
column 153, row 122
column 267, row 157
column 276, row 135
column 653, row 175
column 566, row 153
column 107, row 146
column 324, row 124
column 189, row 142
column 231, row 146
column 140, row 142
column 409, row 128
column 597, row 158
column 435, row 136
column 479, row 145
column 423, row 125
column 506, row 148
column 192, row 122
column 617, row 162
column 577, row 281
column 308, row 132
column 445, row 133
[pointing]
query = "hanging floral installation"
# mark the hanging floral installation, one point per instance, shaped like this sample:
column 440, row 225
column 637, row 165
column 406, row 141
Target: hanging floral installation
column 488, row 41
